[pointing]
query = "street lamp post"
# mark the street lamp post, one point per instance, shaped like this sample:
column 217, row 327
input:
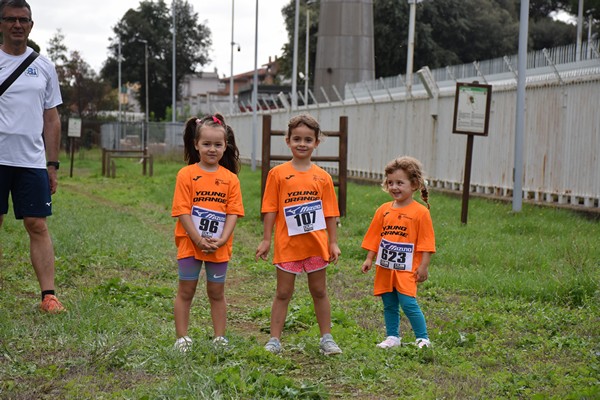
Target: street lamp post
column 119, row 92
column 306, row 58
column 145, row 133
column 174, row 67
column 295, row 59
column 411, row 45
column 255, row 94
column 231, row 81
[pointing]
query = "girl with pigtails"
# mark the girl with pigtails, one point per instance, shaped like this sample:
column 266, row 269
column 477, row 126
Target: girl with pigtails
column 400, row 241
column 207, row 203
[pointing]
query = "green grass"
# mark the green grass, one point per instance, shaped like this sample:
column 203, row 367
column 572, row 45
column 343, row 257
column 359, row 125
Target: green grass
column 512, row 304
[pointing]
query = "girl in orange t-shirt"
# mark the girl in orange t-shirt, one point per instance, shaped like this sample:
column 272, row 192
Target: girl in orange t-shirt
column 400, row 240
column 300, row 202
column 207, row 203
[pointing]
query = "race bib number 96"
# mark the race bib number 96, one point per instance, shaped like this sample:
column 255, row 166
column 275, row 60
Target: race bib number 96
column 209, row 223
column 304, row 218
column 396, row 256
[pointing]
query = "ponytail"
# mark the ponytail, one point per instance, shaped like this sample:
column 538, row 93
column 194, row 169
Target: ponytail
column 190, row 130
column 425, row 196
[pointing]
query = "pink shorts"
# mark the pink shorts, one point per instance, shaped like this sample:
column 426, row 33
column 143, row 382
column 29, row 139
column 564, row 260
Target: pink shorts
column 308, row 265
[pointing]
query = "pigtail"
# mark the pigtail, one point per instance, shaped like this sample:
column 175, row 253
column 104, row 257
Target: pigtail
column 231, row 156
column 425, row 196
column 190, row 154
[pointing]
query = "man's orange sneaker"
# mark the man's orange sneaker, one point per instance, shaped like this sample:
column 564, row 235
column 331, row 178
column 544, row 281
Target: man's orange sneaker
column 51, row 305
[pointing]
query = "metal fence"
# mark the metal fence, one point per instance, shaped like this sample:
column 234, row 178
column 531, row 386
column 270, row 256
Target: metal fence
column 561, row 139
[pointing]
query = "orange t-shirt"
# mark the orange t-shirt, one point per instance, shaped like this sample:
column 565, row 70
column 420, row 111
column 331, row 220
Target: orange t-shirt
column 410, row 224
column 216, row 191
column 287, row 187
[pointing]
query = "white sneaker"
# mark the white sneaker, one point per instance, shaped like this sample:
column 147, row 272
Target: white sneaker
column 423, row 343
column 183, row 344
column 328, row 346
column 390, row 341
column 273, row 346
column 220, row 341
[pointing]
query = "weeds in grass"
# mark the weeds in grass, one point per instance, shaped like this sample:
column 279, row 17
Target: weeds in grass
column 512, row 305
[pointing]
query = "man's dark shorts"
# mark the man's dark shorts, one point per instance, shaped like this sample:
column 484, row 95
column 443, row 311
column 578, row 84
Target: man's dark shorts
column 29, row 189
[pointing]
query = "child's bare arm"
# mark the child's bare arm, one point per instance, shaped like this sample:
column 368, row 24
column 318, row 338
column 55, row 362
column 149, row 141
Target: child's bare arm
column 263, row 248
column 368, row 263
column 334, row 250
column 422, row 272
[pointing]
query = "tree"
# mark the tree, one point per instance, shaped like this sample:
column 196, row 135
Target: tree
column 83, row 92
column 152, row 22
column 288, row 12
column 447, row 32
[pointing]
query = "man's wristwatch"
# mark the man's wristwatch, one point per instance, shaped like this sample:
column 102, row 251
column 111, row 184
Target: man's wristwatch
column 55, row 164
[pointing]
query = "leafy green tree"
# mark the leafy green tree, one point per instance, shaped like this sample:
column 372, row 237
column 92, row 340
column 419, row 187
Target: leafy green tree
column 589, row 7
column 83, row 92
column 152, row 21
column 546, row 33
column 288, row 12
column 446, row 32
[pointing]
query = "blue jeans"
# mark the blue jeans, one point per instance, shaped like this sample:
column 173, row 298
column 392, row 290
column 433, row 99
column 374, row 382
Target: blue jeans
column 392, row 301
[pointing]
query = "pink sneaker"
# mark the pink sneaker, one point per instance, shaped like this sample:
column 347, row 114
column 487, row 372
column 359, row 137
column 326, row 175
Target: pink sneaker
column 390, row 341
column 423, row 343
column 51, row 305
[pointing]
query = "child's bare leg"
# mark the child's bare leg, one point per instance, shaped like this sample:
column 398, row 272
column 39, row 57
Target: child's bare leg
column 317, row 284
column 283, row 295
column 183, row 303
column 218, row 306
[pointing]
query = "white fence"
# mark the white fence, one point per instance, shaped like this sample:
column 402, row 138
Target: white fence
column 561, row 149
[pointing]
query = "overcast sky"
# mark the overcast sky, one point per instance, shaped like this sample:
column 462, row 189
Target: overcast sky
column 87, row 26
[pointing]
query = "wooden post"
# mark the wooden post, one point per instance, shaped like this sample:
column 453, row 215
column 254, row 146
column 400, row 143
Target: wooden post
column 104, row 166
column 467, row 180
column 144, row 156
column 343, row 165
column 72, row 156
column 266, row 153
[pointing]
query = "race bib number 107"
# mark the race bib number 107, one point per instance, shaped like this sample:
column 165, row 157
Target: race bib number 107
column 396, row 256
column 304, row 218
column 209, row 223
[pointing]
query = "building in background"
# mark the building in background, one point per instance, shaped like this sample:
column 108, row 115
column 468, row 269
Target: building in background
column 205, row 93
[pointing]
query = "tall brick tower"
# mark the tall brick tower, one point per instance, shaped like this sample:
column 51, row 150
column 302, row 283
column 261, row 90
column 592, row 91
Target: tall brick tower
column 345, row 45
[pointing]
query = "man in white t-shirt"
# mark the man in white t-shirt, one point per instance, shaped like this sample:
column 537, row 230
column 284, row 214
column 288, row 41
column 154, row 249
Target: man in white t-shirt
column 29, row 132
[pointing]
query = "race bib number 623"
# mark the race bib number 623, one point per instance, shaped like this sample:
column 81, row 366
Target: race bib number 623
column 395, row 255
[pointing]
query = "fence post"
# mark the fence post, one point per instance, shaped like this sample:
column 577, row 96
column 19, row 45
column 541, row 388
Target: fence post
column 343, row 165
column 104, row 166
column 266, row 153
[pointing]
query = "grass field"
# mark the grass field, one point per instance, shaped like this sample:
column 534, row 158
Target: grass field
column 512, row 305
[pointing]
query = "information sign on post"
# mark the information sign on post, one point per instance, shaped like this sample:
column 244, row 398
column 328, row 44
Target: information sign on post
column 472, row 108
column 471, row 117
column 74, row 127
column 74, row 131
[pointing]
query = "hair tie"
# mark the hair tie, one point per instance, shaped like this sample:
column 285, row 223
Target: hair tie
column 198, row 122
column 217, row 120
